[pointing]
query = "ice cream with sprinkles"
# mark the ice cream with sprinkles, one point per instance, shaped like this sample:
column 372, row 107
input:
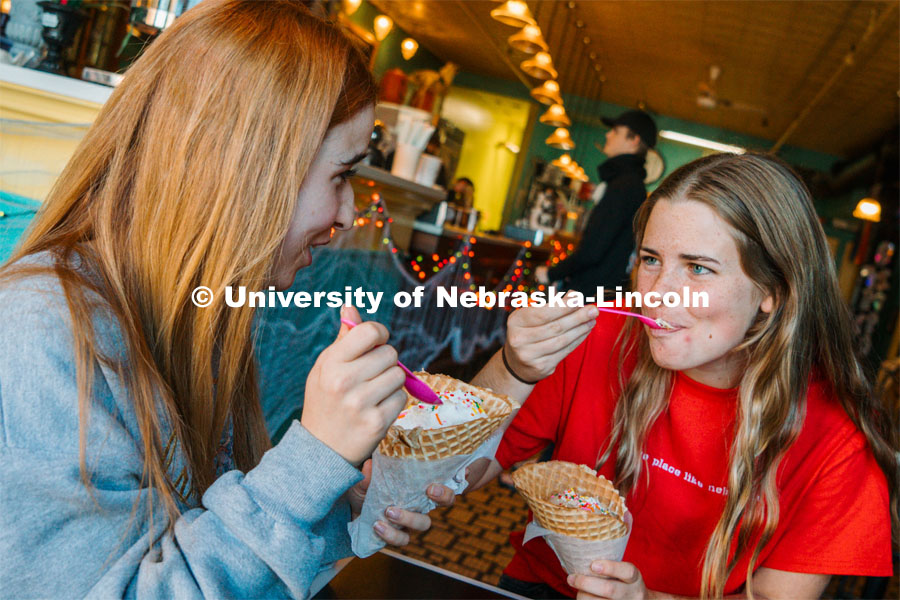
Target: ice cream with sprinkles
column 458, row 407
column 572, row 499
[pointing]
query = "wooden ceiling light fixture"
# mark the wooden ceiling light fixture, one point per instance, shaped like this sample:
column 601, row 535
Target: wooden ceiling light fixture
column 529, row 40
column 514, row 13
column 547, row 92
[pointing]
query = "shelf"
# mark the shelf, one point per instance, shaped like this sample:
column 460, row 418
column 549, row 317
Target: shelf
column 46, row 92
column 391, row 186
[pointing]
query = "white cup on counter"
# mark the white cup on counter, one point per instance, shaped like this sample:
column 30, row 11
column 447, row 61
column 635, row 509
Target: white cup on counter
column 428, row 169
column 406, row 159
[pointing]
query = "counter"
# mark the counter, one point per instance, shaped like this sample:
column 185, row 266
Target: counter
column 53, row 88
column 405, row 200
column 42, row 119
column 495, row 254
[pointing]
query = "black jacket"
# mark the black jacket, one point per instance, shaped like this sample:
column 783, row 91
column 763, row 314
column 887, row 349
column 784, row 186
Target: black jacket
column 602, row 255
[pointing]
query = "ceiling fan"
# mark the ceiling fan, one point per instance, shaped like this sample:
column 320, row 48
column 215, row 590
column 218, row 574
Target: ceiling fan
column 709, row 99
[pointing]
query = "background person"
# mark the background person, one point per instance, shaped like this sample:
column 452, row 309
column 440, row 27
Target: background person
column 462, row 192
column 607, row 242
column 757, row 401
column 135, row 458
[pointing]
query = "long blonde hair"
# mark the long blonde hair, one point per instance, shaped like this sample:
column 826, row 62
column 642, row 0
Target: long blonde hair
column 784, row 252
column 189, row 176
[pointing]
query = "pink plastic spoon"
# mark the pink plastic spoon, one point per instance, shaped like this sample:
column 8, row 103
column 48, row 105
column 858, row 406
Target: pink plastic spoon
column 651, row 323
column 417, row 388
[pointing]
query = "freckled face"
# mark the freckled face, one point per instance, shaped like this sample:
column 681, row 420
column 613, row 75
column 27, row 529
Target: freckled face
column 687, row 244
column 326, row 196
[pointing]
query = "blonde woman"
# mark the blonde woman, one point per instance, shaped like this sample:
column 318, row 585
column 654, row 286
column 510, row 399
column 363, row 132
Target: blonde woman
column 754, row 457
column 135, row 459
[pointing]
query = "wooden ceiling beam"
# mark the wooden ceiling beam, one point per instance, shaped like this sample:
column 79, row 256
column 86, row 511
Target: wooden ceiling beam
column 875, row 25
column 564, row 66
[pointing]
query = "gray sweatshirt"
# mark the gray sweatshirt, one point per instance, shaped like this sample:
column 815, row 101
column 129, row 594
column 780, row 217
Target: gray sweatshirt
column 264, row 533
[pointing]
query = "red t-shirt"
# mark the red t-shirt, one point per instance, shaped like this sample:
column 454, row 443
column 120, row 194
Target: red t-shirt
column 833, row 497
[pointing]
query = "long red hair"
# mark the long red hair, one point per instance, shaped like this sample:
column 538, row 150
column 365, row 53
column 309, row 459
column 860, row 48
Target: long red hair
column 190, row 176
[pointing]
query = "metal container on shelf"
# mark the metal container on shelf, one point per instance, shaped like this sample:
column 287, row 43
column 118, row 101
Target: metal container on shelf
column 466, row 218
column 152, row 16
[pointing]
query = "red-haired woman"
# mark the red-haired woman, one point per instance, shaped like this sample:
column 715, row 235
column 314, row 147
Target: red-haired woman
column 135, row 459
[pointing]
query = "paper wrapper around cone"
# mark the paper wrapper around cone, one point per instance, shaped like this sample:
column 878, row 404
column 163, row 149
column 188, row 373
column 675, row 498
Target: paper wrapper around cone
column 432, row 444
column 578, row 537
column 407, row 461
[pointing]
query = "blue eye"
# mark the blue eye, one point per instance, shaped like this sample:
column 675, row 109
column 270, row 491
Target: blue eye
column 699, row 269
column 649, row 260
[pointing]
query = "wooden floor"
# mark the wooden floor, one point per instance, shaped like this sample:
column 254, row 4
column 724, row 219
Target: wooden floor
column 472, row 538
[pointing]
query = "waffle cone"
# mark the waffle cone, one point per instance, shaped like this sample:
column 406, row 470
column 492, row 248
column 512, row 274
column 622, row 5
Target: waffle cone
column 538, row 481
column 455, row 440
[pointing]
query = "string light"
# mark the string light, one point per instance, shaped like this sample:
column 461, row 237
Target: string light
column 421, row 266
column 383, row 26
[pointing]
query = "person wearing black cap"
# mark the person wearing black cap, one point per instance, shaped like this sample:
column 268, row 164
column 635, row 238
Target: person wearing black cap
column 601, row 257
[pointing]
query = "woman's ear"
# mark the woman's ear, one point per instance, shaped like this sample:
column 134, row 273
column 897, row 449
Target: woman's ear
column 767, row 304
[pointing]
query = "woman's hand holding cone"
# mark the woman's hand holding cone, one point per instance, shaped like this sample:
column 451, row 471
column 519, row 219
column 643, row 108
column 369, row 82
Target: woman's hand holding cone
column 614, row 581
column 394, row 528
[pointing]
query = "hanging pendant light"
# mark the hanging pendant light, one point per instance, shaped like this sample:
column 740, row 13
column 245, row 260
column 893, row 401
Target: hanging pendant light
column 529, row 40
column 576, row 171
column 408, row 48
column 383, row 26
column 580, row 175
column 514, row 13
column 540, row 66
column 556, row 116
column 560, row 139
column 547, row 93
column 563, row 161
column 350, row 6
column 868, row 209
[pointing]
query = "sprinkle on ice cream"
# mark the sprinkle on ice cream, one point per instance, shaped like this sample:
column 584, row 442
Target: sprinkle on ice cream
column 572, row 499
column 458, row 407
